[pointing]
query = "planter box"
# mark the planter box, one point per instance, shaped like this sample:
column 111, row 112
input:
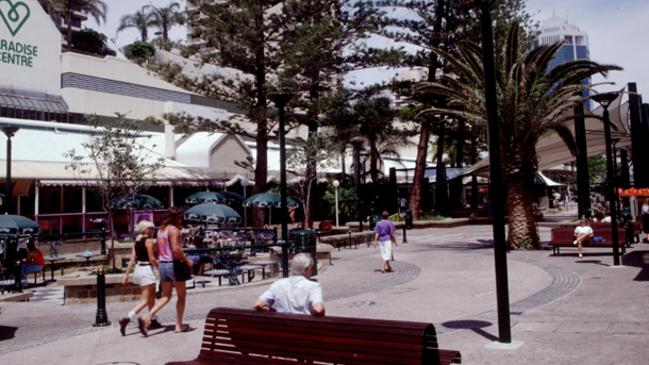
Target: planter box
column 82, row 289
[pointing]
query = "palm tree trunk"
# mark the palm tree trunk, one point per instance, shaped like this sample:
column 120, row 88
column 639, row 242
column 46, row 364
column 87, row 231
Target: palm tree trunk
column 523, row 233
column 456, row 186
column 144, row 34
column 374, row 161
column 311, row 175
column 420, row 169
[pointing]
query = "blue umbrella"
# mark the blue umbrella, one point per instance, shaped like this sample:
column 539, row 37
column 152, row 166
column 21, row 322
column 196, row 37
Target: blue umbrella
column 136, row 201
column 268, row 200
column 10, row 223
column 212, row 213
column 206, row 197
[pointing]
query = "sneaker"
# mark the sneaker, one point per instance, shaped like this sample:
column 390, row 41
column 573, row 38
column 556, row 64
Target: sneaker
column 574, row 242
column 122, row 325
column 581, row 256
column 154, row 324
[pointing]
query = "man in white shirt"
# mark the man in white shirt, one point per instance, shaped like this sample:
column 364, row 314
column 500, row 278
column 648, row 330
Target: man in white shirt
column 295, row 294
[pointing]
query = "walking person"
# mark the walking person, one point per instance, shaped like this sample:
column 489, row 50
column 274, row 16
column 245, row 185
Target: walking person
column 384, row 238
column 644, row 210
column 583, row 234
column 145, row 262
column 174, row 269
column 295, row 294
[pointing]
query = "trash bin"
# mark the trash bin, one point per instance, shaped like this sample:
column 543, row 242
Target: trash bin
column 305, row 240
column 409, row 219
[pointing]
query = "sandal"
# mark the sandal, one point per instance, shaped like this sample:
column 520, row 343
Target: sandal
column 186, row 328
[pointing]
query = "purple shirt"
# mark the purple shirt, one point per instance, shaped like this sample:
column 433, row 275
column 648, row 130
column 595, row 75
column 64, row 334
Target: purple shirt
column 384, row 228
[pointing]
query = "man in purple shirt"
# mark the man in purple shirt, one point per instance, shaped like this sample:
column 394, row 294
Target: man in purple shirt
column 384, row 238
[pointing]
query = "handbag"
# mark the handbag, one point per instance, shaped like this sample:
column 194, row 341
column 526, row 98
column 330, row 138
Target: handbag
column 182, row 271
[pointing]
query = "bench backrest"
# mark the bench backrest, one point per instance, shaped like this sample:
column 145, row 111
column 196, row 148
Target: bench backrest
column 234, row 334
column 565, row 234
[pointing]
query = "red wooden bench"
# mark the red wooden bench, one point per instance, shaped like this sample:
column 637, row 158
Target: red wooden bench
column 240, row 336
column 564, row 237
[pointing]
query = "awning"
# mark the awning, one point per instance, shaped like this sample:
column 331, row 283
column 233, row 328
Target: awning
column 29, row 100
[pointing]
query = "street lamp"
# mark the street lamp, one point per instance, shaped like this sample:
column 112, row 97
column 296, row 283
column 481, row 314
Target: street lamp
column 281, row 99
column 605, row 101
column 496, row 188
column 9, row 132
column 336, row 184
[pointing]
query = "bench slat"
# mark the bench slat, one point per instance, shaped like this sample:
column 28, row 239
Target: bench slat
column 236, row 336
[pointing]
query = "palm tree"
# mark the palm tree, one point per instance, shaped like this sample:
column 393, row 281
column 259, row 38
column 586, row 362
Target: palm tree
column 164, row 18
column 66, row 8
column 532, row 102
column 140, row 20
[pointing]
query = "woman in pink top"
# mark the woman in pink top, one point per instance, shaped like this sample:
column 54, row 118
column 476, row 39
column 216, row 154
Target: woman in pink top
column 170, row 249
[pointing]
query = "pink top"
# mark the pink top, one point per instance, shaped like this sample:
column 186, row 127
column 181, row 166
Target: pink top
column 164, row 246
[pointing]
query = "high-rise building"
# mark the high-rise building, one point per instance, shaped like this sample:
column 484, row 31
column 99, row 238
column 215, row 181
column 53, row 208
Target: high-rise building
column 575, row 46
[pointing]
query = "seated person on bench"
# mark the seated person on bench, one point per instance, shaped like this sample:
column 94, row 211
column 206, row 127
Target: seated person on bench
column 34, row 262
column 583, row 234
column 295, row 294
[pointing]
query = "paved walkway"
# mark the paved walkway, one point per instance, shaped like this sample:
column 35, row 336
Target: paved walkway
column 564, row 309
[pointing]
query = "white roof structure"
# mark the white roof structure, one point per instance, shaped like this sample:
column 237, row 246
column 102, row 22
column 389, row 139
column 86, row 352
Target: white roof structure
column 552, row 151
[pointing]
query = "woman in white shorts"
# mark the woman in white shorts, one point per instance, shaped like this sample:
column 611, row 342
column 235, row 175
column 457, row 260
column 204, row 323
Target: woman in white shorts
column 145, row 261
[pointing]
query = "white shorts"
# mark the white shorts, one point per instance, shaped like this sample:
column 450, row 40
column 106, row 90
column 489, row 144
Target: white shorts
column 386, row 250
column 144, row 275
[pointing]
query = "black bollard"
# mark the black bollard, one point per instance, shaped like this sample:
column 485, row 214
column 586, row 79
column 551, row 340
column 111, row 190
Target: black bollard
column 102, row 240
column 405, row 238
column 101, row 319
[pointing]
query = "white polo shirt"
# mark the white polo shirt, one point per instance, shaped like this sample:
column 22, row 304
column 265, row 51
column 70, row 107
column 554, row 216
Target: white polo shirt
column 295, row 294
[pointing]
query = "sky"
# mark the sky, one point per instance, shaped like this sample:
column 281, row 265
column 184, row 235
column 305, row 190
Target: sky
column 617, row 30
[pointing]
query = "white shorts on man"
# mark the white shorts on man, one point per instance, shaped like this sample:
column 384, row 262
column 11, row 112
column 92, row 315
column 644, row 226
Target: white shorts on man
column 386, row 249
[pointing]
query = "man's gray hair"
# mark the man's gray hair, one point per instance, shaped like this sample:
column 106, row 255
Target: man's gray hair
column 301, row 263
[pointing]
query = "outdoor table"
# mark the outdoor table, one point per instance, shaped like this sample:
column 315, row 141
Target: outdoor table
column 52, row 260
column 88, row 256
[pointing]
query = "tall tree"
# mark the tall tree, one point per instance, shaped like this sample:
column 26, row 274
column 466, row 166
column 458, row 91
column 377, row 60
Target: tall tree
column 242, row 36
column 316, row 36
column 140, row 20
column 165, row 17
column 532, row 103
column 65, row 9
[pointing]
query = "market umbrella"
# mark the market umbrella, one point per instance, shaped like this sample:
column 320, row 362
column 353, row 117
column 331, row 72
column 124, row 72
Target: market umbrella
column 232, row 197
column 268, row 200
column 206, row 197
column 136, row 201
column 212, row 213
column 10, row 223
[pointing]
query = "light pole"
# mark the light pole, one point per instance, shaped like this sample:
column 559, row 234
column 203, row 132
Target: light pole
column 281, row 99
column 336, row 184
column 496, row 187
column 9, row 132
column 605, row 101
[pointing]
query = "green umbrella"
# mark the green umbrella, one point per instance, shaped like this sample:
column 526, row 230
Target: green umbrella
column 212, row 213
column 136, row 201
column 10, row 223
column 268, row 200
column 206, row 197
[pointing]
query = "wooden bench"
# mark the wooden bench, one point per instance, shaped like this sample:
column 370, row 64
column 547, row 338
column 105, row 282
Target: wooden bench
column 564, row 237
column 240, row 336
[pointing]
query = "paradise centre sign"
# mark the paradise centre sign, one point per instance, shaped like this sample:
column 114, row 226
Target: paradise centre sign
column 30, row 47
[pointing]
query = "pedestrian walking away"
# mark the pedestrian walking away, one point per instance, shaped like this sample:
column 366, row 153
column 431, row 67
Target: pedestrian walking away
column 644, row 210
column 145, row 262
column 296, row 294
column 175, row 269
column 384, row 238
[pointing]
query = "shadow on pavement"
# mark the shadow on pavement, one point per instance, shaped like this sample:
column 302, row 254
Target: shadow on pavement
column 7, row 333
column 473, row 325
column 638, row 259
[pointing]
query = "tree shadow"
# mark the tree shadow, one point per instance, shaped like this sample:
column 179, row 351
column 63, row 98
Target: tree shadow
column 639, row 259
column 473, row 325
column 7, row 332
